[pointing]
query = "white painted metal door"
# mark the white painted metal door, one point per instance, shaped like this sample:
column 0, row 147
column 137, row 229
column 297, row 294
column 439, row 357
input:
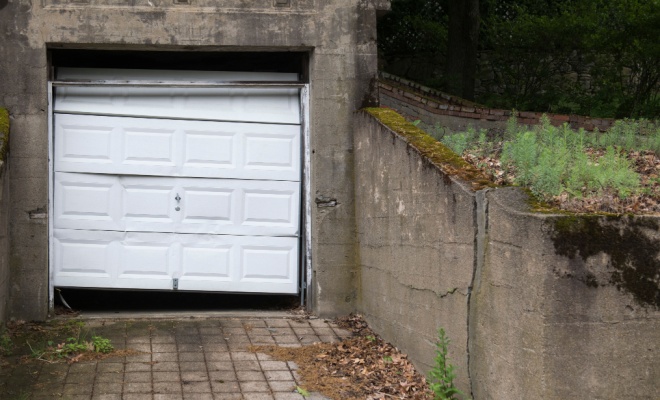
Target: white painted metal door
column 187, row 188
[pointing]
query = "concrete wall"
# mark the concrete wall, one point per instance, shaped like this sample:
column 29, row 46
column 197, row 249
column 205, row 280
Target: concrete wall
column 339, row 35
column 536, row 305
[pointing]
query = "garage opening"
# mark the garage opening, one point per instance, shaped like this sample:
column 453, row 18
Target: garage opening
column 185, row 179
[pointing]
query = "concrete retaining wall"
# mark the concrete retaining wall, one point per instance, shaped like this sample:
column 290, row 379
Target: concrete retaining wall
column 537, row 305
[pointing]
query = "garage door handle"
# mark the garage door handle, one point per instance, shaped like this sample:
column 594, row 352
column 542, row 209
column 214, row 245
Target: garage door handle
column 178, row 200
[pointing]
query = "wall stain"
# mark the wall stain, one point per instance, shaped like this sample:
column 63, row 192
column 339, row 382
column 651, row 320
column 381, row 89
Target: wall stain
column 634, row 257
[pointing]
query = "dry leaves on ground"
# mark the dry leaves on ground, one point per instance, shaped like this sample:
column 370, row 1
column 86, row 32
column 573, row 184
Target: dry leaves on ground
column 363, row 366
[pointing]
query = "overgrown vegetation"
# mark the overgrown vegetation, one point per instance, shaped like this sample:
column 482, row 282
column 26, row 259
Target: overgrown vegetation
column 559, row 164
column 53, row 341
column 587, row 57
column 442, row 375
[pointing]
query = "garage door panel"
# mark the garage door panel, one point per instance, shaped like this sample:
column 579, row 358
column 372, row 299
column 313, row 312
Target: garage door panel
column 153, row 147
column 274, row 105
column 149, row 204
column 153, row 260
column 138, row 146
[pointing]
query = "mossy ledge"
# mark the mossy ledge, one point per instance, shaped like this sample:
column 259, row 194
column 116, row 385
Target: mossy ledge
column 440, row 155
column 634, row 258
column 4, row 134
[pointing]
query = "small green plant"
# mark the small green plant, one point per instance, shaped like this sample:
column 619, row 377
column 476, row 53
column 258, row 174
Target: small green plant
column 102, row 345
column 301, row 391
column 442, row 375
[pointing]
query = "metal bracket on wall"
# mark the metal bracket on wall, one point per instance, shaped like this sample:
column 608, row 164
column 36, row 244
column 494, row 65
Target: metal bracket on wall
column 175, row 283
column 282, row 3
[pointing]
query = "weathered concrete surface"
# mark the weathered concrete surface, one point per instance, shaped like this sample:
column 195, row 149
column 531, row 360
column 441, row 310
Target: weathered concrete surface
column 566, row 307
column 4, row 216
column 416, row 235
column 537, row 306
column 339, row 36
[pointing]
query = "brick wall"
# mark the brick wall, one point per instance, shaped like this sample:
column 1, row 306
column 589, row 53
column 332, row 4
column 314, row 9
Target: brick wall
column 419, row 102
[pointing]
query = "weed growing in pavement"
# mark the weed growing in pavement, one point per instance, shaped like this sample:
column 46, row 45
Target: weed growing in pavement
column 72, row 347
column 442, row 375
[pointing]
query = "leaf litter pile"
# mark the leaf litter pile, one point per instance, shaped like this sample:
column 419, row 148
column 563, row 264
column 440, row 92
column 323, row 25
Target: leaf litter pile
column 363, row 366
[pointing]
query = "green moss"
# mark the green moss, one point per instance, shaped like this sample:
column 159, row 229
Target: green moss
column 440, row 155
column 4, row 133
column 634, row 257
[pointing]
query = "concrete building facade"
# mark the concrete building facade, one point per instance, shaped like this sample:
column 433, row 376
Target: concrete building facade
column 330, row 45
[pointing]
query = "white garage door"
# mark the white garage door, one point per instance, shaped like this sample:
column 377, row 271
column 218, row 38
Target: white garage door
column 176, row 188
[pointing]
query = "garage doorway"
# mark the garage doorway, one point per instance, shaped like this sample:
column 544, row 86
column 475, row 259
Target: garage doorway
column 178, row 179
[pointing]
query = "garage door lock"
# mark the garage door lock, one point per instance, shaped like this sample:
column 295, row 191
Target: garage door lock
column 175, row 283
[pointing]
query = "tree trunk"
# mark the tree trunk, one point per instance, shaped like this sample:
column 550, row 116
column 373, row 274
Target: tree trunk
column 463, row 39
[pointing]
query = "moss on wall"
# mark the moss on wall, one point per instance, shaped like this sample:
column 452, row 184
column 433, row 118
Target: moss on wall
column 440, row 155
column 4, row 133
column 634, row 257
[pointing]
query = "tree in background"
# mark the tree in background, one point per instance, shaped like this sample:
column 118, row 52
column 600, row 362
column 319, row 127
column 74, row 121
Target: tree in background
column 592, row 57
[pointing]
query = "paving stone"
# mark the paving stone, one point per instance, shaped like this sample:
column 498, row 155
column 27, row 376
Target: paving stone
column 168, row 339
column 319, row 323
column 197, row 396
column 278, row 375
column 326, row 332
column 286, row 339
column 304, row 331
column 73, row 388
column 138, row 367
column 194, row 376
column 165, row 366
column 159, row 376
column 167, row 387
column 282, row 386
column 137, row 387
column 165, row 357
column 80, row 379
column 263, row 340
column 264, row 357
column 246, row 366
column 110, row 377
column 137, row 376
column 185, row 356
column 288, row 396
column 220, row 365
column 112, row 396
column 309, row 339
column 111, row 367
column 196, row 387
column 137, row 396
column 234, row 331
column 210, row 330
column 253, row 386
column 258, row 396
column 82, row 367
column 163, row 347
column 273, row 365
column 244, row 376
column 142, row 357
column 224, row 356
column 107, row 388
column 220, row 376
column 142, row 347
column 329, row 339
column 225, row 387
column 191, row 339
column 214, row 340
column 161, row 396
column 192, row 366
column 138, row 339
column 190, row 347
column 228, row 396
column 282, row 331
column 277, row 323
